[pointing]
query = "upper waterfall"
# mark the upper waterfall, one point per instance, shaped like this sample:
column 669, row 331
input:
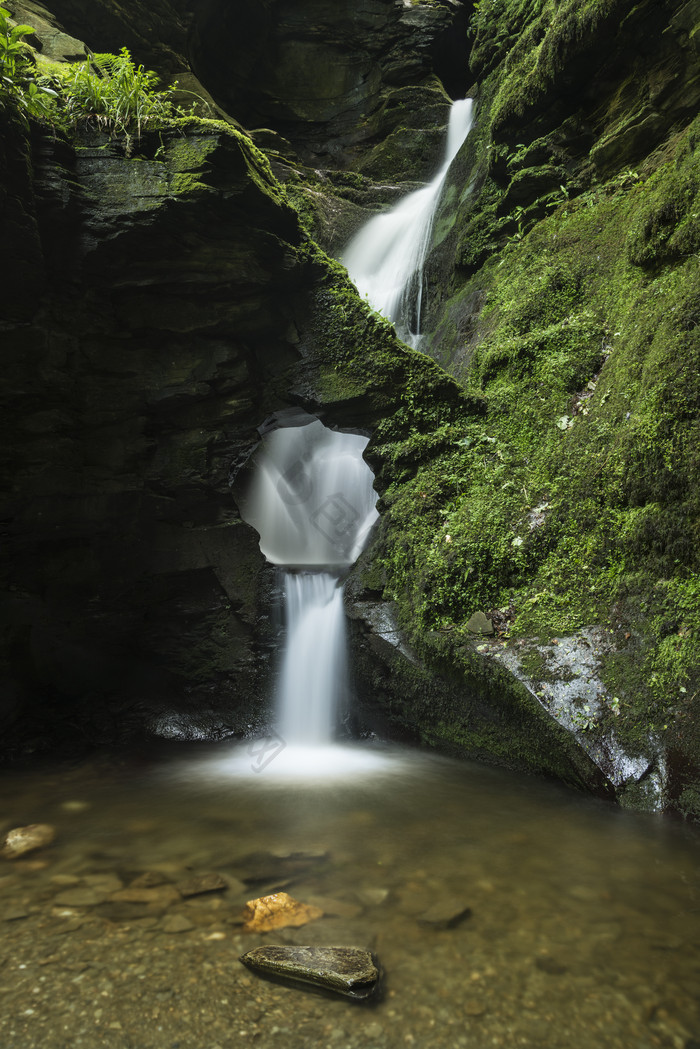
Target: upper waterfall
column 386, row 258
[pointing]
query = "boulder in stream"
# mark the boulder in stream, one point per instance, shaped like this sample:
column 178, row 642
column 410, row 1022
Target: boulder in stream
column 349, row 971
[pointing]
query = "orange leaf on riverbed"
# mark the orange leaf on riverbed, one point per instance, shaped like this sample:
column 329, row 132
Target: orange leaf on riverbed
column 276, row 912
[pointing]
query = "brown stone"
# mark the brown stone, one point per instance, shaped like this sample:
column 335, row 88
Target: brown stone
column 175, row 923
column 276, row 912
column 78, row 898
column 148, row 880
column 445, row 913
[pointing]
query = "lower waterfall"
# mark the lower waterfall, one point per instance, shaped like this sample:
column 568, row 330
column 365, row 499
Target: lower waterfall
column 314, row 666
column 312, row 502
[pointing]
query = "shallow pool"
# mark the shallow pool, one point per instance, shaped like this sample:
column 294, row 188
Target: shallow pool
column 504, row 911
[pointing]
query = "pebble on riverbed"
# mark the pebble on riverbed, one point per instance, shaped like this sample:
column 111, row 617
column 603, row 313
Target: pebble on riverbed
column 21, row 840
column 277, row 911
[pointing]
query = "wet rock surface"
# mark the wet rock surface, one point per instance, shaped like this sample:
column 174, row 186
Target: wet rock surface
column 319, row 72
column 344, row 970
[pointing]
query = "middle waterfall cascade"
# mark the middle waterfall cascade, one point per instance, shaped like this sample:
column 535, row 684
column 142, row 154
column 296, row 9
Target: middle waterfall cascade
column 386, row 258
column 312, row 502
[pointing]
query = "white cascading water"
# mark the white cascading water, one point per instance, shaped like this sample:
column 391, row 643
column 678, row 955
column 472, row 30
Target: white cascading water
column 312, row 502
column 386, row 258
column 311, row 498
column 313, row 668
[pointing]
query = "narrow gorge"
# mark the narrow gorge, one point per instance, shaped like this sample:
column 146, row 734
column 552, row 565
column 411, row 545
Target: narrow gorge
column 350, row 686
column 173, row 287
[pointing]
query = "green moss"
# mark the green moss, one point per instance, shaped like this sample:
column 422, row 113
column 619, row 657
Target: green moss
column 362, row 355
column 668, row 226
column 576, row 495
column 533, row 41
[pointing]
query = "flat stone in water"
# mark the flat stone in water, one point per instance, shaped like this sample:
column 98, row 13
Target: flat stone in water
column 78, row 898
column 259, row 867
column 445, row 913
column 148, row 880
column 202, row 884
column 14, row 914
column 348, row 971
column 174, row 923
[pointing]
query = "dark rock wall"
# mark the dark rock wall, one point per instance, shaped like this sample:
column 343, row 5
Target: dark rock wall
column 149, row 333
column 317, row 71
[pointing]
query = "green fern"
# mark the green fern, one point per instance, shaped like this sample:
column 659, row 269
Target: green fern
column 114, row 94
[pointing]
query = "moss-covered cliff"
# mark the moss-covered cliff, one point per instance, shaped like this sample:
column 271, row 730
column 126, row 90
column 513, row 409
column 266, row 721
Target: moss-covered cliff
column 565, row 291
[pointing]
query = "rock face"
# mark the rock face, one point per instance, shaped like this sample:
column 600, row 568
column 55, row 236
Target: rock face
column 347, row 971
column 318, row 71
column 162, row 304
column 561, row 280
column 136, row 370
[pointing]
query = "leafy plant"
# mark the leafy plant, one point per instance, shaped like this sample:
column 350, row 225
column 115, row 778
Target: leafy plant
column 108, row 91
column 585, row 719
column 14, row 53
column 17, row 74
column 115, row 94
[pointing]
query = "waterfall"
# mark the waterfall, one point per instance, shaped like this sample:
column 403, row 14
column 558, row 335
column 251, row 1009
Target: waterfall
column 311, row 497
column 386, row 258
column 312, row 502
column 313, row 670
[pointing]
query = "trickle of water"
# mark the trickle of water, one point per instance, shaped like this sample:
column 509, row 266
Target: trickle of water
column 386, row 258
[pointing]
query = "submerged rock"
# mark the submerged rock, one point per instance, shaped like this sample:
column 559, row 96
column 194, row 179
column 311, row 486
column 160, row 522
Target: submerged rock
column 349, row 971
column 78, row 898
column 445, row 913
column 175, row 923
column 264, row 867
column 204, row 883
column 277, row 911
column 21, row 840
